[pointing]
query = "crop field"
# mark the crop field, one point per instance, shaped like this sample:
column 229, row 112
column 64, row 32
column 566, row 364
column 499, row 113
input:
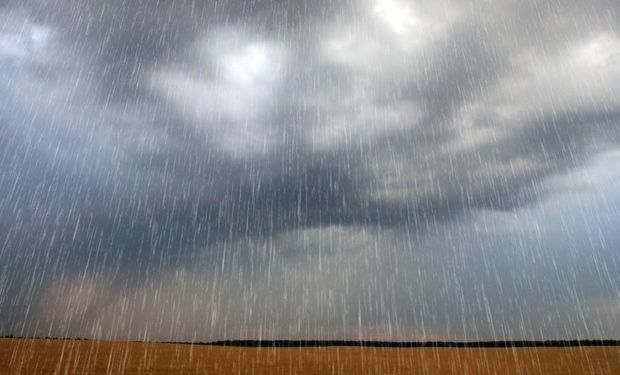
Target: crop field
column 22, row 356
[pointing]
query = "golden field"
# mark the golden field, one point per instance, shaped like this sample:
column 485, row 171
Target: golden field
column 24, row 356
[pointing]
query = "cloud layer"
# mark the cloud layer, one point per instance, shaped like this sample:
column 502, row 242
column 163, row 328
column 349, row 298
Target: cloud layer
column 308, row 169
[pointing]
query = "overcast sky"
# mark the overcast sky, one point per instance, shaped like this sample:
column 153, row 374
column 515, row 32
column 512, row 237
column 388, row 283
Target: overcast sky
column 271, row 169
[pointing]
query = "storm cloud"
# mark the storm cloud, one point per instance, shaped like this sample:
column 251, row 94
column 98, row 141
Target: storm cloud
column 372, row 168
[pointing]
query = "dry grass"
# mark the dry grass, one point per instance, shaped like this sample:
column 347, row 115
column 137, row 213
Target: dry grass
column 100, row 357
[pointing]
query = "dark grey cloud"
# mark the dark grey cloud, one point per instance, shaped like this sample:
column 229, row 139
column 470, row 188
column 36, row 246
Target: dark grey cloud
column 137, row 138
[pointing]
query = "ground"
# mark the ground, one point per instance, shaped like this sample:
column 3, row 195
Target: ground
column 21, row 356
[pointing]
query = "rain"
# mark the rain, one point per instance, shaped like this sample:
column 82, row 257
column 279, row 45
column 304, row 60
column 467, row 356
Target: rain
column 392, row 170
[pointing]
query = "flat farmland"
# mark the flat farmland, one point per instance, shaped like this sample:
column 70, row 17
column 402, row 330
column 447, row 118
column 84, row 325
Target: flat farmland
column 25, row 356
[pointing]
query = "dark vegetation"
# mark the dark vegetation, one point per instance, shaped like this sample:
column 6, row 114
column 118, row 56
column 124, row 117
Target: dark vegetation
column 383, row 344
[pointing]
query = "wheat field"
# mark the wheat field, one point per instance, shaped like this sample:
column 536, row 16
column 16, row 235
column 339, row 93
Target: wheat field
column 24, row 356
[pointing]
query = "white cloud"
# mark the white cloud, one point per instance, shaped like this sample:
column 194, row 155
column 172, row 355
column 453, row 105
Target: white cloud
column 363, row 123
column 584, row 77
column 389, row 38
column 27, row 43
column 230, row 89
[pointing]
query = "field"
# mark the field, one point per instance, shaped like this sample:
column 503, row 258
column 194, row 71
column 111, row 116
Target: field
column 20, row 356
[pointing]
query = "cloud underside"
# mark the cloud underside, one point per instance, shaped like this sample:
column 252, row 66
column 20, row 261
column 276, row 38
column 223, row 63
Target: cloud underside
column 340, row 157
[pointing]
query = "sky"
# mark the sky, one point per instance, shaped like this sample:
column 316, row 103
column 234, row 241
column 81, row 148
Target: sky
column 295, row 169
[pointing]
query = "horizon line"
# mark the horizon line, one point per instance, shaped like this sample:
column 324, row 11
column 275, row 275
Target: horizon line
column 361, row 343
